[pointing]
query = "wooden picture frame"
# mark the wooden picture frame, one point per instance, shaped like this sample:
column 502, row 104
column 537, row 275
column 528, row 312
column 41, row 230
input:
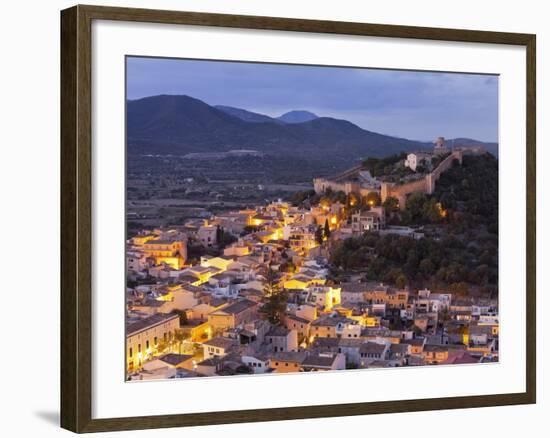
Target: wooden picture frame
column 76, row 217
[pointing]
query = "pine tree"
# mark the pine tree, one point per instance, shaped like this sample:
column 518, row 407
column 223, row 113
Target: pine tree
column 319, row 235
column 327, row 229
column 275, row 307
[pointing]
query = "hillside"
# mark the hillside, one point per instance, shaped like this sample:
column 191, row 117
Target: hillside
column 181, row 124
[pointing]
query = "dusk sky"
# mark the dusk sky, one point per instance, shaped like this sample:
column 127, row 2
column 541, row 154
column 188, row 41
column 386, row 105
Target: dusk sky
column 413, row 105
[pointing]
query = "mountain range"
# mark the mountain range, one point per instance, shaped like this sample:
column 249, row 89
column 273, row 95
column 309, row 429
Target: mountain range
column 179, row 124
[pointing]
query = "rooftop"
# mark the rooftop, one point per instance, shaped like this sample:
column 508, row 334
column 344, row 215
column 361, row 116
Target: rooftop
column 175, row 359
column 237, row 307
column 278, row 330
column 372, row 348
column 220, row 342
column 319, row 361
column 151, row 321
column 290, row 356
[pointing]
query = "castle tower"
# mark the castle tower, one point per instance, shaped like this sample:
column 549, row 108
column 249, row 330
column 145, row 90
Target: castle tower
column 439, row 146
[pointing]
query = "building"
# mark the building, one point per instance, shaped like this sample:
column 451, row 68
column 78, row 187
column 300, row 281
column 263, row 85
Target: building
column 136, row 261
column 206, row 234
column 258, row 363
column 300, row 325
column 434, row 354
column 302, row 238
column 287, row 362
column 221, row 263
column 440, row 146
column 324, row 362
column 170, row 252
column 144, row 336
column 353, row 293
column 238, row 249
column 218, row 347
column 281, row 339
column 416, row 159
column 372, row 351
column 232, row 315
column 371, row 220
column 171, row 360
column 324, row 296
column 331, row 326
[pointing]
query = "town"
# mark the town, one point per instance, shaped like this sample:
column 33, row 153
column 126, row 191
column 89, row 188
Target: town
column 367, row 269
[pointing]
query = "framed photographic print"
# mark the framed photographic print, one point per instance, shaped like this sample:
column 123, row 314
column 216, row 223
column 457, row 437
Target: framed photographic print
column 269, row 218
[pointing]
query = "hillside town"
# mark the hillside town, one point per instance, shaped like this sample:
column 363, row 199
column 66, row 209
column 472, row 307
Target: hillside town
column 275, row 288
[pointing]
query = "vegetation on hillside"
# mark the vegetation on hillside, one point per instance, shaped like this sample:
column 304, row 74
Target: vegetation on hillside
column 460, row 247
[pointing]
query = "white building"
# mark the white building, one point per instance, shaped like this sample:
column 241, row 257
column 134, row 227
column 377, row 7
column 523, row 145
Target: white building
column 415, row 159
column 372, row 220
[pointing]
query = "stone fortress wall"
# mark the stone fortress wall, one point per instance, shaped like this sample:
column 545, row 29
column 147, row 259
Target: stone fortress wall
column 344, row 180
column 424, row 185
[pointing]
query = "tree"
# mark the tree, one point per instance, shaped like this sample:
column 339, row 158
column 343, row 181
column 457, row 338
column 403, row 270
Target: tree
column 183, row 316
column 391, row 204
column 426, row 267
column 461, row 288
column 271, row 286
column 373, row 199
column 162, row 346
column 224, row 238
column 401, row 281
column 417, row 330
column 319, row 235
column 275, row 307
column 415, row 206
column 327, row 229
column 179, row 337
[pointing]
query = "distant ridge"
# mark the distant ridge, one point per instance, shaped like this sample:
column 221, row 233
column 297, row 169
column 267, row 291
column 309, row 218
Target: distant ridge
column 247, row 116
column 298, row 116
column 180, row 124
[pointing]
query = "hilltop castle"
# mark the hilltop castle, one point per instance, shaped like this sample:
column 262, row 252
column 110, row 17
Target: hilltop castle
column 359, row 181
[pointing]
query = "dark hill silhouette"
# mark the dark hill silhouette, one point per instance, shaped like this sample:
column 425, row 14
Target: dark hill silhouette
column 177, row 125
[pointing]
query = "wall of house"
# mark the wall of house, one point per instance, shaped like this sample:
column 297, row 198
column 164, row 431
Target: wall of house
column 133, row 343
column 218, row 323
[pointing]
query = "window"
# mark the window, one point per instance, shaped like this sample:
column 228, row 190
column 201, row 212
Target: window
column 139, row 348
column 131, row 352
column 147, row 344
